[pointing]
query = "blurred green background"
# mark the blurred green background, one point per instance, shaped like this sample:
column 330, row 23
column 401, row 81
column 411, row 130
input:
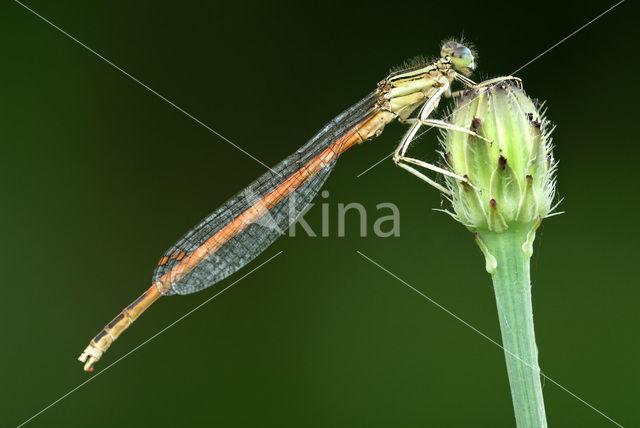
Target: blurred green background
column 100, row 176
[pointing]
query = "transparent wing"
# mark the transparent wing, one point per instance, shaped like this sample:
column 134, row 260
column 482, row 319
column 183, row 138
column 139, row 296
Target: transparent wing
column 245, row 225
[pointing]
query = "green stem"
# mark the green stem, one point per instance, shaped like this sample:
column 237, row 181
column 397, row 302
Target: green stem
column 512, row 286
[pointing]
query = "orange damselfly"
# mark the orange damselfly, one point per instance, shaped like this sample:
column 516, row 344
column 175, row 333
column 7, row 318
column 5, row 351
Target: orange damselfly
column 245, row 225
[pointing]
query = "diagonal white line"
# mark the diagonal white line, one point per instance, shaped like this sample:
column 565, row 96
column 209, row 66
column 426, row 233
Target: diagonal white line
column 512, row 73
column 383, row 159
column 571, row 35
column 180, row 109
column 148, row 340
column 487, row 337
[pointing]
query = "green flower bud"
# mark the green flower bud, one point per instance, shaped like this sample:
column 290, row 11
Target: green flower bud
column 509, row 167
column 508, row 188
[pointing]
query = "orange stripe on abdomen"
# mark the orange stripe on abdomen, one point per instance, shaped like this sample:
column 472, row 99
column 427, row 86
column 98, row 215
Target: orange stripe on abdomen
column 361, row 132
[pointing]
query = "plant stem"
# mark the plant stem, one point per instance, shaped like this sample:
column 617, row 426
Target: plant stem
column 512, row 286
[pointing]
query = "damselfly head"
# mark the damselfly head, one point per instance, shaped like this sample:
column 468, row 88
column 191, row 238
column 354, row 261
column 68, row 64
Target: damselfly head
column 461, row 57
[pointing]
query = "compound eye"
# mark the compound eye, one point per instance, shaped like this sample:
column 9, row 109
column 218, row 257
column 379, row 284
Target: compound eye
column 462, row 57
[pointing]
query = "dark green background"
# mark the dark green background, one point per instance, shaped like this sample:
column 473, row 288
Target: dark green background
column 100, row 176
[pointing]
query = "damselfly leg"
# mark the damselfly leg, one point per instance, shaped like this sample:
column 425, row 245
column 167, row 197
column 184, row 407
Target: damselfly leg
column 400, row 157
column 470, row 84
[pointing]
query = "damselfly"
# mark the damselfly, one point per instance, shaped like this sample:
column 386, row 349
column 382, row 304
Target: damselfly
column 245, row 225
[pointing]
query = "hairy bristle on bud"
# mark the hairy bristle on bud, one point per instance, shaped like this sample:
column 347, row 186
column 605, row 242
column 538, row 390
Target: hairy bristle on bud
column 513, row 172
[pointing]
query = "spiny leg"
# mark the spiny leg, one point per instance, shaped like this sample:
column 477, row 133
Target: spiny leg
column 423, row 119
column 437, row 169
column 444, row 125
column 428, row 108
column 473, row 85
column 470, row 84
column 399, row 155
column 400, row 159
column 450, row 126
column 424, row 178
